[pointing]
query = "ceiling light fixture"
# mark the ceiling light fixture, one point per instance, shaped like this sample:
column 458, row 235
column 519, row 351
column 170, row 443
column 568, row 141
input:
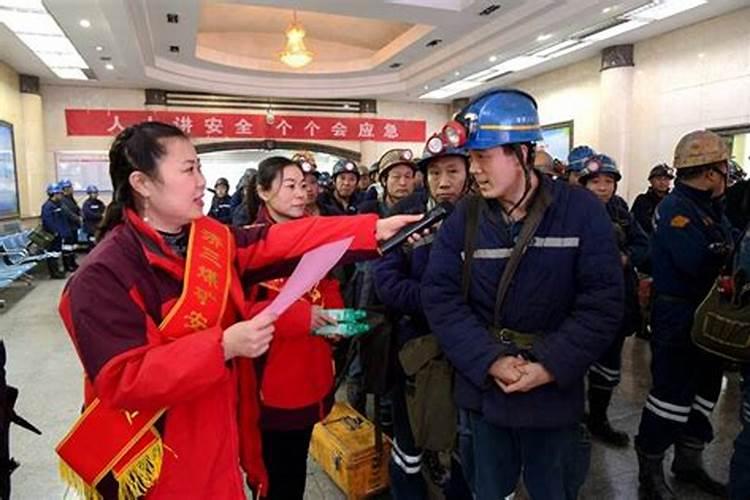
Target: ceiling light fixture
column 295, row 54
column 99, row 48
column 85, row 23
column 32, row 24
column 613, row 31
column 662, row 9
column 109, row 66
column 543, row 37
column 615, row 26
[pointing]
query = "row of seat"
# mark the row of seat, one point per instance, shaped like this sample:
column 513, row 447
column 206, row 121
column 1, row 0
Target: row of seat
column 17, row 257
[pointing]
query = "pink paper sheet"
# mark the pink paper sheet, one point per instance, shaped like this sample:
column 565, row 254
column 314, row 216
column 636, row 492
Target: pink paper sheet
column 312, row 267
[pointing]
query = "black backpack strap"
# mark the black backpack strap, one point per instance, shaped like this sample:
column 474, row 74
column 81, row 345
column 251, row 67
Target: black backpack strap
column 470, row 241
column 534, row 217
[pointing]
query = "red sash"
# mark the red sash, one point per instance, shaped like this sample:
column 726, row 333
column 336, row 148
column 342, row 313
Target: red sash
column 106, row 439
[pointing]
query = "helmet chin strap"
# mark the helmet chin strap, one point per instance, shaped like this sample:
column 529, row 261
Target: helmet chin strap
column 517, row 149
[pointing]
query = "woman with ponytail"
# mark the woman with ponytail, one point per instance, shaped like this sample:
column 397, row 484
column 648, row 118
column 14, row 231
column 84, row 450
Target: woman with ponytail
column 160, row 323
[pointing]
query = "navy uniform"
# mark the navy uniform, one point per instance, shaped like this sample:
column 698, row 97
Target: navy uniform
column 645, row 204
column 55, row 223
column 604, row 375
column 73, row 218
column 330, row 203
column 691, row 243
column 92, row 211
column 398, row 277
column 561, row 313
column 221, row 205
column 391, row 159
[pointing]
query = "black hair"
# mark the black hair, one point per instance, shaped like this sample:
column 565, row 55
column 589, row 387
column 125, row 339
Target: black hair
column 137, row 148
column 268, row 170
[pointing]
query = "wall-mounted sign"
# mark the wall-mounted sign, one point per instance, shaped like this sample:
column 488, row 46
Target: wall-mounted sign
column 102, row 122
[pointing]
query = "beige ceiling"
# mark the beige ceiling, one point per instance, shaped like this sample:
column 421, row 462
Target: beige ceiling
column 371, row 34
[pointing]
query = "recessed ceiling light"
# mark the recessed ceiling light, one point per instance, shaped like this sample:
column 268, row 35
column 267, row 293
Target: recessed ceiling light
column 701, row 55
column 543, row 37
column 493, row 58
column 109, row 66
column 457, row 73
column 99, row 48
column 606, row 10
column 427, row 87
column 85, row 23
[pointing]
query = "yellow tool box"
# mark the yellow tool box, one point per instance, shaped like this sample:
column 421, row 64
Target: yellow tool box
column 344, row 446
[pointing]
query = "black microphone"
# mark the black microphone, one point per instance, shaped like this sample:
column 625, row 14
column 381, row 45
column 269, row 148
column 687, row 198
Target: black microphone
column 432, row 217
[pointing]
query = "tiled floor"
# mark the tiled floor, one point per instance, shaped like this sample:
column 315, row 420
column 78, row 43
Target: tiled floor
column 41, row 362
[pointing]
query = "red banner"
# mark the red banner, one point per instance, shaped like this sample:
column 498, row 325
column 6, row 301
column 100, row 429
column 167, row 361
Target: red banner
column 238, row 126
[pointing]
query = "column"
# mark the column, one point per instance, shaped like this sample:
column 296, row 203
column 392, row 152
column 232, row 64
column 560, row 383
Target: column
column 33, row 173
column 616, row 105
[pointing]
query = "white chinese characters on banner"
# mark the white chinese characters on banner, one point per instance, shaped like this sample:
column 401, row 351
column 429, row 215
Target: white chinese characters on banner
column 339, row 129
column 243, row 127
column 184, row 123
column 116, row 126
column 214, row 126
column 311, row 128
column 366, row 130
column 390, row 131
column 284, row 126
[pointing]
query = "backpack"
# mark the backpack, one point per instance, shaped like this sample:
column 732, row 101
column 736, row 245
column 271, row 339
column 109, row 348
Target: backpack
column 722, row 321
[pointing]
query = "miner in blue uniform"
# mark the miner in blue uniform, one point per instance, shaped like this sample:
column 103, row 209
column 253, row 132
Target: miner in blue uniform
column 55, row 223
column 660, row 177
column 92, row 211
column 72, row 213
column 600, row 175
column 691, row 243
column 521, row 362
column 398, row 277
column 343, row 199
column 221, row 203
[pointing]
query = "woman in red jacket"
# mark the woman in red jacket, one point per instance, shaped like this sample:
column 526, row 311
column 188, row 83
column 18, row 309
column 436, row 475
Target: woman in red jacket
column 156, row 315
column 296, row 374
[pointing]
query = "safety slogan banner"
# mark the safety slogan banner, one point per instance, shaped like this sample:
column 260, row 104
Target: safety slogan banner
column 103, row 122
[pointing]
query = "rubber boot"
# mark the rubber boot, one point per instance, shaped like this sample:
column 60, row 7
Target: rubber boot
column 653, row 485
column 69, row 261
column 688, row 467
column 597, row 420
column 54, row 269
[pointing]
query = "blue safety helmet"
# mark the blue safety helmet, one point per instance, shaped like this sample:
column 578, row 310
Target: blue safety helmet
column 599, row 164
column 92, row 189
column 577, row 158
column 496, row 118
column 54, row 188
column 65, row 183
column 438, row 147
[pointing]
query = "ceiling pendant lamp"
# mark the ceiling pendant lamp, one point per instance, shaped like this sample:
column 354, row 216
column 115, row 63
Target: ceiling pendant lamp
column 296, row 54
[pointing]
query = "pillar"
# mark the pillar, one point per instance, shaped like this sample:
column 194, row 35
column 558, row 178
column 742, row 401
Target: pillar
column 615, row 115
column 33, row 174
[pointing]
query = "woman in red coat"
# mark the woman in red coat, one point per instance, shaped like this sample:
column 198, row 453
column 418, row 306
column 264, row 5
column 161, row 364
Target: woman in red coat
column 296, row 374
column 157, row 316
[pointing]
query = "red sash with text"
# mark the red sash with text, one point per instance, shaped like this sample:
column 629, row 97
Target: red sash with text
column 125, row 443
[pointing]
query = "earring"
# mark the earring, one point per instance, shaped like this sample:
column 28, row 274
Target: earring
column 145, row 209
